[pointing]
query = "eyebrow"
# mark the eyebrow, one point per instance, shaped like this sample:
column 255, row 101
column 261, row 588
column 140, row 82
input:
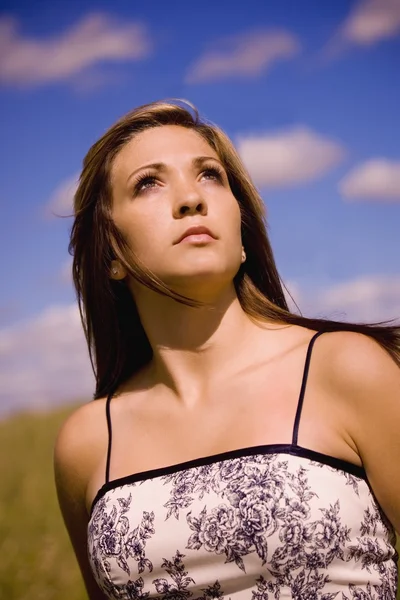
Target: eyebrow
column 159, row 166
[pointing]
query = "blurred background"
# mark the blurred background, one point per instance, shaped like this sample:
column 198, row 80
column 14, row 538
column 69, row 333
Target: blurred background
column 309, row 92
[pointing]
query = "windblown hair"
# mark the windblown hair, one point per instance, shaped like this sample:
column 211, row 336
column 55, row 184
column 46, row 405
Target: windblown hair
column 118, row 345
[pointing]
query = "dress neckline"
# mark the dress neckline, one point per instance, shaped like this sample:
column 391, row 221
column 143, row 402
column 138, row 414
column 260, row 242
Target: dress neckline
column 264, row 449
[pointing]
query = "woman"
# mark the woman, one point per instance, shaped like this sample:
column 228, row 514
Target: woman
column 235, row 449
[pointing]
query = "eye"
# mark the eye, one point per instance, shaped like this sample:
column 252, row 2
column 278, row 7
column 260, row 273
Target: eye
column 212, row 173
column 144, row 182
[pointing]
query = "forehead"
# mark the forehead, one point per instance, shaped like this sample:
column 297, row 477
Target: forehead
column 167, row 144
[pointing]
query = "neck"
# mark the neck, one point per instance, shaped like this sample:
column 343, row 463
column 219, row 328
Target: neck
column 193, row 346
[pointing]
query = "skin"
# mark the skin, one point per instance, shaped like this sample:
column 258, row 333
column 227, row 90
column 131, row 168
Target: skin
column 218, row 381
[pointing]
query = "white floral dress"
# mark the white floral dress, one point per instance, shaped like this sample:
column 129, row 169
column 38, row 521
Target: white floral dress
column 260, row 523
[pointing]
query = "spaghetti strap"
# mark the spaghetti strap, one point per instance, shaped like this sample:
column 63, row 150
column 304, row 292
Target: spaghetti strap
column 109, row 428
column 303, row 388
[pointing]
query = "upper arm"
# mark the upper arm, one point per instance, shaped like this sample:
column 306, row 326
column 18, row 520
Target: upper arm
column 367, row 379
column 74, row 459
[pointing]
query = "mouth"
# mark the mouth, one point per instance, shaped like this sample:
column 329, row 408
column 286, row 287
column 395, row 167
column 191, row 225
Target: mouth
column 196, row 234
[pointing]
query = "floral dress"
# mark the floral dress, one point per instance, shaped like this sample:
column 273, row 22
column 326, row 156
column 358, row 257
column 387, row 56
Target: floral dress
column 269, row 522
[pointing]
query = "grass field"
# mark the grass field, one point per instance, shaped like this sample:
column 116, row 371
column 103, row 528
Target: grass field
column 36, row 560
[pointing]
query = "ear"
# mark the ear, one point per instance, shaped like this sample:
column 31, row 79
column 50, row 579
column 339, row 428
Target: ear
column 117, row 271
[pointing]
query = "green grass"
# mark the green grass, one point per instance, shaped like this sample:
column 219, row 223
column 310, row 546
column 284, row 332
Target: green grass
column 37, row 562
column 36, row 559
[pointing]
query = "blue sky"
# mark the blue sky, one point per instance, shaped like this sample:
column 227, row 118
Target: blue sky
column 308, row 91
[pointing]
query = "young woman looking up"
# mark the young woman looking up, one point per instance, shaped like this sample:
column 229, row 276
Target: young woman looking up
column 234, row 449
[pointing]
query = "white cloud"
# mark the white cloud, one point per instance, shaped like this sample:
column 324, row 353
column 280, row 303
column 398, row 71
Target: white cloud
column 364, row 300
column 61, row 202
column 246, row 55
column 376, row 179
column 371, row 21
column 44, row 361
column 96, row 38
column 288, row 157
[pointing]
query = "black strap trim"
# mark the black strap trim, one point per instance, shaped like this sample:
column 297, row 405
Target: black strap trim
column 318, row 457
column 109, row 428
column 300, row 403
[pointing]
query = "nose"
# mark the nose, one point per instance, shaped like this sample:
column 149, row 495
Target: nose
column 189, row 201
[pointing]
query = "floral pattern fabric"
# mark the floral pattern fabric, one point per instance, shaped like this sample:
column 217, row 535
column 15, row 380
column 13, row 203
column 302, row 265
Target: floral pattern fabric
column 265, row 526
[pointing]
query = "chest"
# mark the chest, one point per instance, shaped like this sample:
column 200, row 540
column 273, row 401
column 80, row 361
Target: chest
column 243, row 412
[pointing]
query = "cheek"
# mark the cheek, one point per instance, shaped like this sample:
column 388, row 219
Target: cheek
column 143, row 232
column 233, row 219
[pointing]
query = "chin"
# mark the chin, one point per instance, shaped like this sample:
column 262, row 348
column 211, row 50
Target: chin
column 200, row 280
column 201, row 269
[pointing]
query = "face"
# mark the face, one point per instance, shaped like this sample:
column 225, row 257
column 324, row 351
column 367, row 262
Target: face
column 166, row 181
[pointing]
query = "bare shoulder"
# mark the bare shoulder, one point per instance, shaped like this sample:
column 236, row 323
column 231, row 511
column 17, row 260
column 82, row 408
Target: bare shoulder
column 80, row 444
column 353, row 363
column 358, row 372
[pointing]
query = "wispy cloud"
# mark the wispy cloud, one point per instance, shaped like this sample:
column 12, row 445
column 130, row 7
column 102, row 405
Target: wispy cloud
column 248, row 55
column 363, row 300
column 288, row 157
column 65, row 272
column 61, row 202
column 44, row 361
column 96, row 38
column 376, row 179
column 371, row 21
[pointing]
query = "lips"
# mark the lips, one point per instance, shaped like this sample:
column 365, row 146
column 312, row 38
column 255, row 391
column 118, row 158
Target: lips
column 195, row 231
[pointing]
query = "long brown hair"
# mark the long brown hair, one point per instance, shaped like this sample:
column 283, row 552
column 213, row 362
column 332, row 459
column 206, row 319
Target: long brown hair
column 118, row 345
